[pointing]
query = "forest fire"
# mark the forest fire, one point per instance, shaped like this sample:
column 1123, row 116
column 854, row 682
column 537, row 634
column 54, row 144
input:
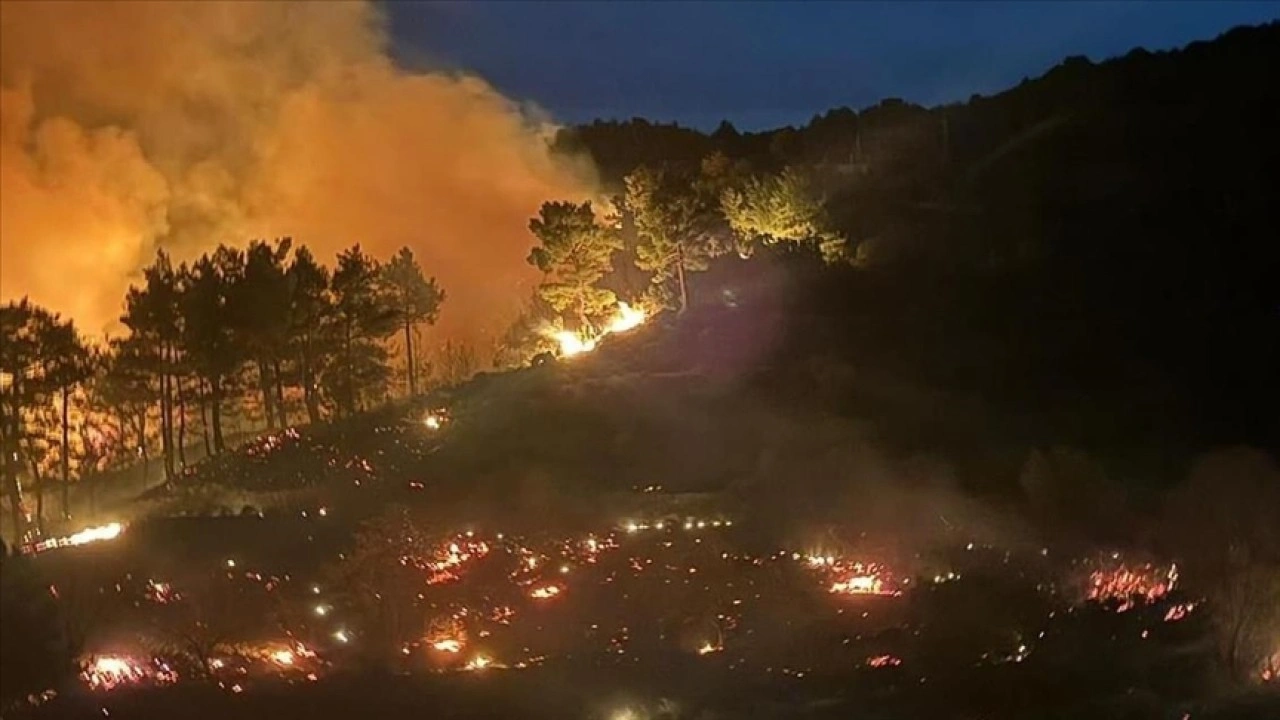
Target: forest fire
column 110, row 531
column 856, row 578
column 1125, row 587
column 109, row 672
column 624, row 319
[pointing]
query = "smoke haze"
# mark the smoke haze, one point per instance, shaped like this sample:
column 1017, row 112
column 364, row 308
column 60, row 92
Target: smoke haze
column 131, row 126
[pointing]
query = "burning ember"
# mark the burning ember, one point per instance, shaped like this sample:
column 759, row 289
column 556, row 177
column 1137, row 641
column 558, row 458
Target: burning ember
column 545, row 592
column 110, row 531
column 1127, row 587
column 880, row 661
column 109, row 672
column 450, row 645
column 161, row 593
column 435, row 419
column 856, row 578
column 478, row 662
column 708, row 648
column 1179, row 611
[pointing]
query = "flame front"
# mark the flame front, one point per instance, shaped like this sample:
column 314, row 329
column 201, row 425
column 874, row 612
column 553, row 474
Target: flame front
column 110, row 531
column 575, row 343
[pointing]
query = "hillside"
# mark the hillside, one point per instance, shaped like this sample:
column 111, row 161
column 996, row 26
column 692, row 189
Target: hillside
column 1097, row 243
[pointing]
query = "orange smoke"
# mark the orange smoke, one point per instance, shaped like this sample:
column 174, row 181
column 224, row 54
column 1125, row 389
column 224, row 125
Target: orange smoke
column 132, row 126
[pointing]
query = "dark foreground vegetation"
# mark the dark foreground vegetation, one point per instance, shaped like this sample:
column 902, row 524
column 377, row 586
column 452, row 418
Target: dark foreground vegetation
column 956, row 412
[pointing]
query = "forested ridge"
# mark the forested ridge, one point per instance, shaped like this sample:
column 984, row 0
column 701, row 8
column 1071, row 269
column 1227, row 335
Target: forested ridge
column 1093, row 248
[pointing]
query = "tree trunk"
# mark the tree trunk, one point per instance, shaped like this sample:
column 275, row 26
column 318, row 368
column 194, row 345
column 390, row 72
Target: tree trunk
column 204, row 417
column 142, row 447
column 39, row 487
column 309, row 390
column 264, row 386
column 684, row 285
column 182, row 426
column 408, row 353
column 66, row 454
column 280, row 408
column 349, row 391
column 9, row 448
column 215, row 411
column 166, row 412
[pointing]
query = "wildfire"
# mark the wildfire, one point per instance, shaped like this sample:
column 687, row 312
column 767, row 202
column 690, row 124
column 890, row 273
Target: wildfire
column 880, row 661
column 479, row 662
column 110, row 531
column 1130, row 586
column 707, row 648
column 450, row 645
column 545, row 592
column 624, row 319
column 853, row 578
column 435, row 419
column 109, row 672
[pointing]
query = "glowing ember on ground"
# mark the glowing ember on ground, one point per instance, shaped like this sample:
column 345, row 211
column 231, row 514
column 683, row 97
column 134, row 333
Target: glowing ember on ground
column 545, row 592
column 109, row 672
column 1271, row 668
column 856, row 578
column 1130, row 586
column 880, row 661
column 707, row 648
column 1179, row 611
column 435, row 419
column 282, row 657
column 161, row 593
column 449, row 646
column 478, row 662
column 110, row 531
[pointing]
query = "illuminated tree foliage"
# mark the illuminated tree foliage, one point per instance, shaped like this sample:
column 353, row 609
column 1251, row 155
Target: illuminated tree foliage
column 672, row 221
column 780, row 208
column 415, row 300
column 575, row 252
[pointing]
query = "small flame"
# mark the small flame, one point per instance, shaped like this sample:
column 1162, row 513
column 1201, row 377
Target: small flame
column 545, row 592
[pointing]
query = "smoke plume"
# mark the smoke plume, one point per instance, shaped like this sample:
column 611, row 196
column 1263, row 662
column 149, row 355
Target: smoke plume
column 132, row 126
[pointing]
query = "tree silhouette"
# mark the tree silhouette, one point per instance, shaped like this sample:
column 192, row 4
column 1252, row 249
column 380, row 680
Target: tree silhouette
column 259, row 302
column 362, row 320
column 414, row 298
column 208, row 337
column 310, row 311
column 152, row 315
column 67, row 363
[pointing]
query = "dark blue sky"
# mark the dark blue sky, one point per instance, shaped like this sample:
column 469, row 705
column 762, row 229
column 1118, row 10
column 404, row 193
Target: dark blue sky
column 766, row 64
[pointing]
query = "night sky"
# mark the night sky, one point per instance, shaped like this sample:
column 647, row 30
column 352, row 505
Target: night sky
column 762, row 64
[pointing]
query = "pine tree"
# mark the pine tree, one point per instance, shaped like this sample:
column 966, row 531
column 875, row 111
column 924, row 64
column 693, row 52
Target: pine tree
column 575, row 252
column 415, row 300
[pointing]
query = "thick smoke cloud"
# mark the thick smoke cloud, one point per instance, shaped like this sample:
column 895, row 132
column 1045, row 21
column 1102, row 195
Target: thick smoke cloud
column 132, row 126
